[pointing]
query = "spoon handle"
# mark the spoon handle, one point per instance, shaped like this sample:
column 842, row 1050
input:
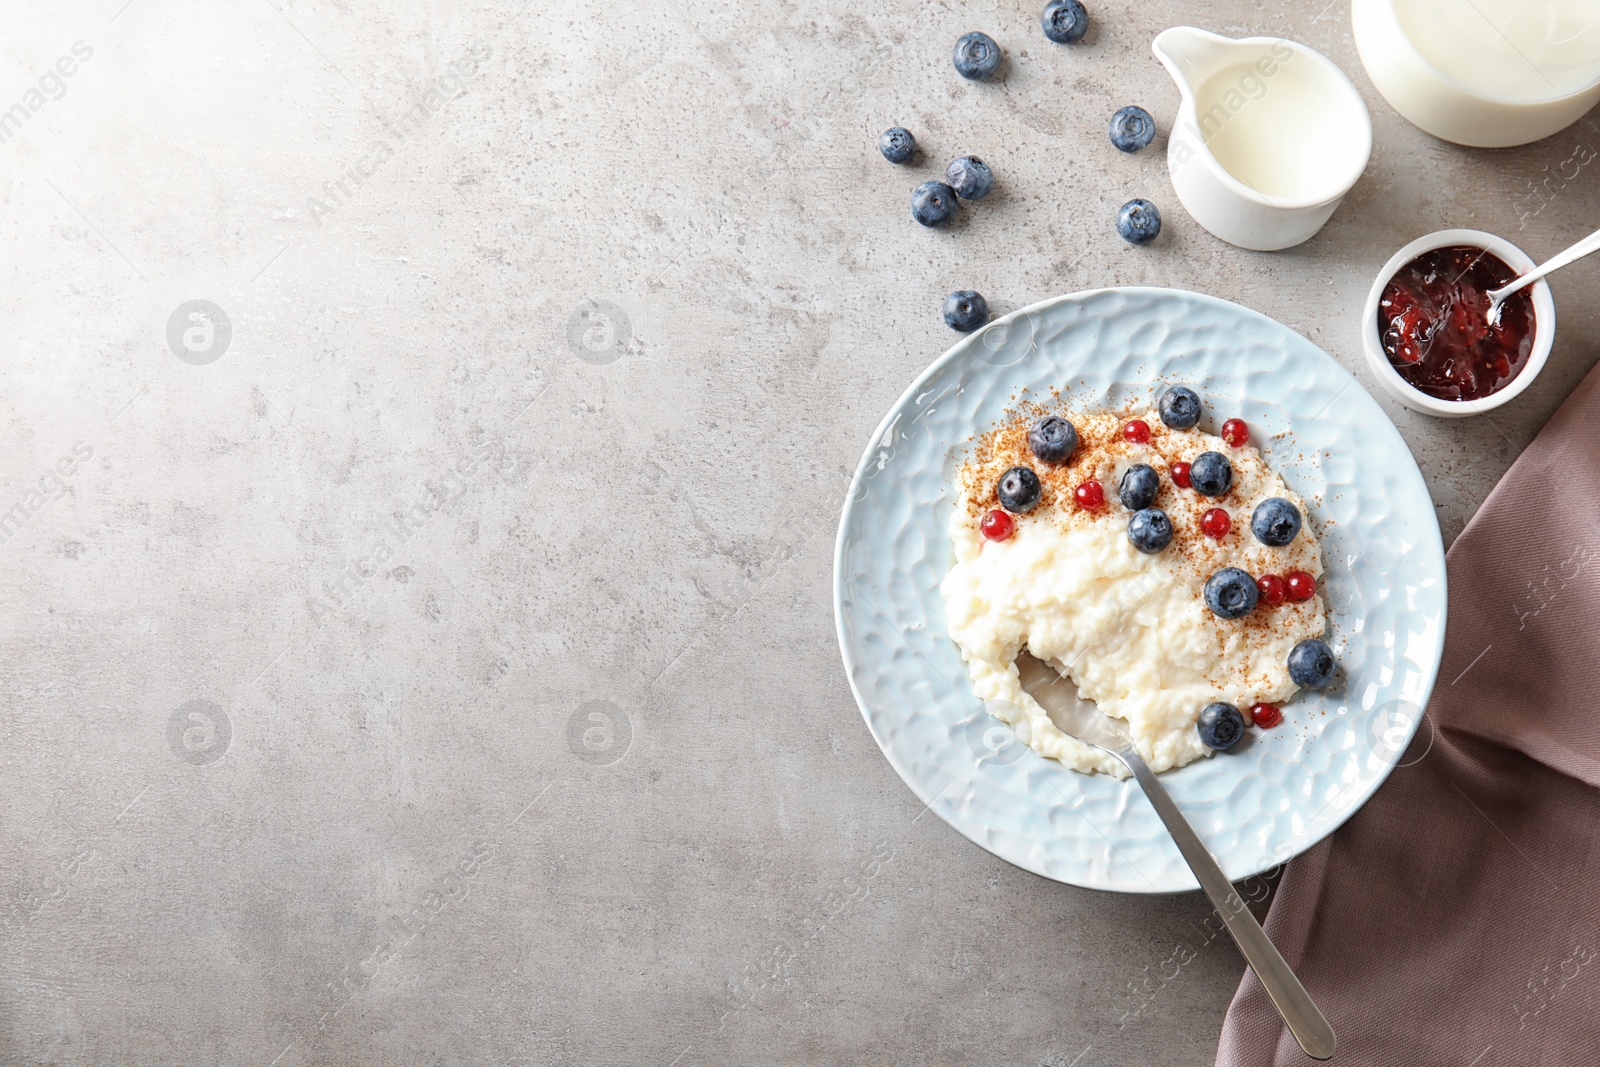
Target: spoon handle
column 1587, row 246
column 1305, row 1021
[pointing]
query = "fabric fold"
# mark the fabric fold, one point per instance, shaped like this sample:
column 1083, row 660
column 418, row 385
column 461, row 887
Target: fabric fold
column 1455, row 919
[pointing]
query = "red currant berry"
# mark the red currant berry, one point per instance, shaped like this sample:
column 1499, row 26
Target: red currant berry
column 1216, row 523
column 1266, row 715
column 1235, row 432
column 1180, row 475
column 1302, row 586
column 1273, row 589
column 1089, row 495
column 997, row 526
column 1137, row 431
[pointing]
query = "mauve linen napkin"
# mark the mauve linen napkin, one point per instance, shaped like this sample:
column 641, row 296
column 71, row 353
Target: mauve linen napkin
column 1455, row 919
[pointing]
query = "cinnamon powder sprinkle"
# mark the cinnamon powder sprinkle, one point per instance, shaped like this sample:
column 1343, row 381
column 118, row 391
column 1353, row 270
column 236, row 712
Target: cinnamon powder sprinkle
column 1103, row 454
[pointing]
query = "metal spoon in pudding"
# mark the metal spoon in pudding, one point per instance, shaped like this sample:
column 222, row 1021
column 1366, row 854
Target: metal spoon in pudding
column 1083, row 720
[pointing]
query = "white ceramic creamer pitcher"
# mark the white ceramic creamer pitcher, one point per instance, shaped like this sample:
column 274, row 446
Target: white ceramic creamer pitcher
column 1490, row 75
column 1269, row 136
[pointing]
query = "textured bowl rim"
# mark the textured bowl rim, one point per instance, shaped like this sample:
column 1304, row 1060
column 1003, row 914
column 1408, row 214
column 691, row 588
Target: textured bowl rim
column 1544, row 325
column 1359, row 799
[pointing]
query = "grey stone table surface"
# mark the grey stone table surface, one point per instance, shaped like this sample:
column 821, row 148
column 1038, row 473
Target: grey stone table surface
column 421, row 650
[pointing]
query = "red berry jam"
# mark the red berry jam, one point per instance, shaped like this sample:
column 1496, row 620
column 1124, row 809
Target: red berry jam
column 1137, row 431
column 1089, row 495
column 1434, row 321
column 997, row 526
column 1266, row 716
column 1274, row 590
column 1180, row 475
column 1301, row 586
column 1235, row 432
column 1216, row 523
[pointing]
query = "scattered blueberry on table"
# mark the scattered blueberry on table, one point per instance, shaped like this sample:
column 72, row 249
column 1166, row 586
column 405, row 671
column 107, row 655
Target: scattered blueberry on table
column 1220, row 726
column 1132, row 128
column 970, row 177
column 1231, row 594
column 1064, row 21
column 1180, row 407
column 934, row 203
column 965, row 310
column 1139, row 487
column 1150, row 531
column 1210, row 474
column 1139, row 222
column 1053, row 439
column 1275, row 522
column 1019, row 490
column 976, row 57
column 897, row 144
column 1311, row 664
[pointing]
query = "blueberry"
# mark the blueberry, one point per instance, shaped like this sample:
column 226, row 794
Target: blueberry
column 970, row 177
column 1231, row 593
column 1150, row 530
column 1053, row 439
column 1019, row 490
column 1275, row 522
column 1311, row 663
column 1180, row 407
column 1064, row 21
column 1139, row 487
column 1138, row 222
column 1220, row 726
column 965, row 310
column 1210, row 474
column 976, row 56
column 934, row 203
column 897, row 144
column 1131, row 129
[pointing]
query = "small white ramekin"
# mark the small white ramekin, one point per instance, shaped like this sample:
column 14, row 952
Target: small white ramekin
column 1544, row 325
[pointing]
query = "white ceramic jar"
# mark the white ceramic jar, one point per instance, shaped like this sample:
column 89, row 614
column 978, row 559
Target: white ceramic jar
column 1544, row 326
column 1268, row 138
column 1450, row 70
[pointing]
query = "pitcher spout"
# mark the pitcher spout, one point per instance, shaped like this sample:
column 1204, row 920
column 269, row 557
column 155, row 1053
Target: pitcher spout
column 1191, row 55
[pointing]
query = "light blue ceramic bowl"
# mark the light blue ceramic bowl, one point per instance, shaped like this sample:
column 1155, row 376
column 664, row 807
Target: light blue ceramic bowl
column 1385, row 588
